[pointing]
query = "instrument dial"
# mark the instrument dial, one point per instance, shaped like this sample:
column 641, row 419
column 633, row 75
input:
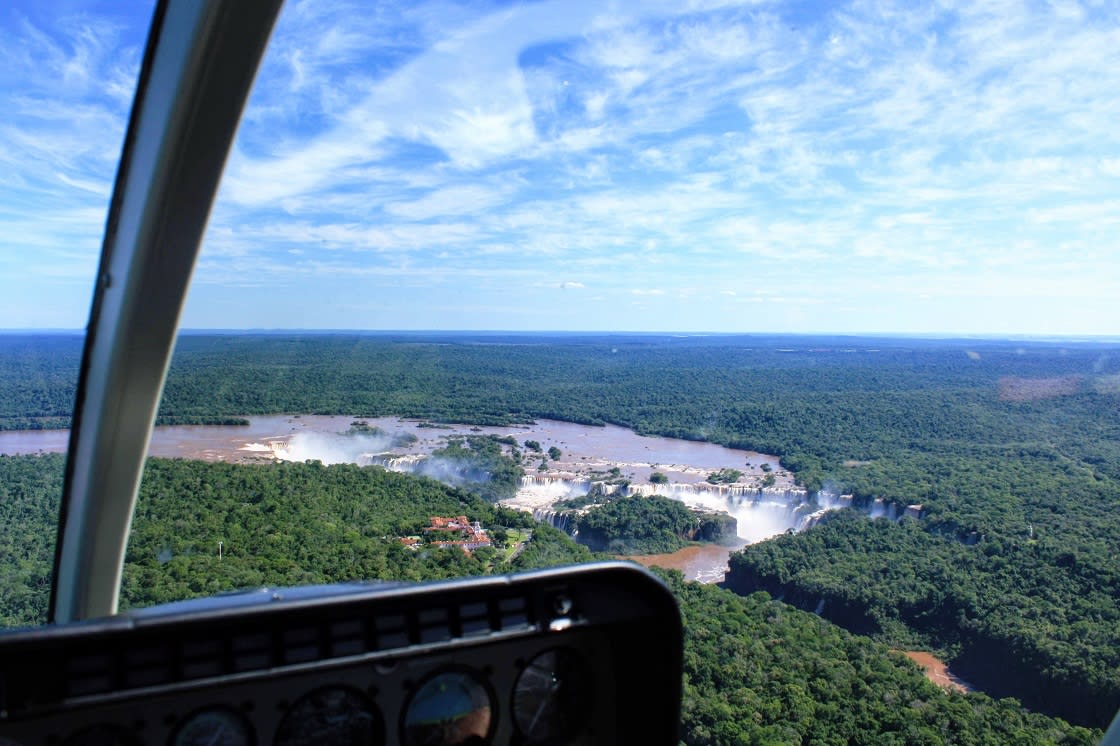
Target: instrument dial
column 335, row 715
column 214, row 726
column 551, row 698
column 453, row 707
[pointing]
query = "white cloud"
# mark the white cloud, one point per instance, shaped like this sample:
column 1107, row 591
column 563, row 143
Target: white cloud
column 454, row 200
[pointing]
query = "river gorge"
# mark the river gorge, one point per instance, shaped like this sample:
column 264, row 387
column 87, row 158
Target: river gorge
column 763, row 498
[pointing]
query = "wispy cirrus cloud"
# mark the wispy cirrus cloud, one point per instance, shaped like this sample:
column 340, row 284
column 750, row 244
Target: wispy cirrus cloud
column 66, row 83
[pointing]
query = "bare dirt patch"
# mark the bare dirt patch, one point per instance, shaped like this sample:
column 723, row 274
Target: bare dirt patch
column 936, row 670
column 1013, row 388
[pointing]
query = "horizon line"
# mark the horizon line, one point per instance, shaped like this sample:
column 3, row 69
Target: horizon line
column 311, row 331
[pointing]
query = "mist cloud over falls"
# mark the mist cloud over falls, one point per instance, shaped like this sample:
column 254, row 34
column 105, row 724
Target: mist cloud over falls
column 334, row 449
column 366, row 449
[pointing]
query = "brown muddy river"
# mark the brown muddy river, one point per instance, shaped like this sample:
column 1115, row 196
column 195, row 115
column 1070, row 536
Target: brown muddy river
column 706, row 563
column 299, row 437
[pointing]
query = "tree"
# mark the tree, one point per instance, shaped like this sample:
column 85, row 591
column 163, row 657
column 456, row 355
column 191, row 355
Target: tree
column 499, row 535
column 724, row 476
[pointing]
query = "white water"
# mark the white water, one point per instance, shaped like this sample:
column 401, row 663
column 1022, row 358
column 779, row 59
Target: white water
column 761, row 512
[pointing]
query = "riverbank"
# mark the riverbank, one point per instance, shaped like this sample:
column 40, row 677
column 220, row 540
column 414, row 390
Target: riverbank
column 937, row 671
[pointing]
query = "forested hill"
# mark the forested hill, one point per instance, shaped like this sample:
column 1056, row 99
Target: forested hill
column 756, row 671
column 1011, row 448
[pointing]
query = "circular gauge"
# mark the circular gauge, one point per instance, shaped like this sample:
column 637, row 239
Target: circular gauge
column 335, row 715
column 214, row 726
column 551, row 697
column 450, row 708
column 101, row 735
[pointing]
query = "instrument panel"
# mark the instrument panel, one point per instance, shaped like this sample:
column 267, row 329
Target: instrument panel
column 588, row 655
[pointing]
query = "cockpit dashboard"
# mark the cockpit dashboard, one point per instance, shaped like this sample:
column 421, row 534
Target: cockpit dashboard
column 587, row 655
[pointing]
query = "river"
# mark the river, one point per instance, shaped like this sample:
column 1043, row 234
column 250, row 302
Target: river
column 705, row 563
column 587, row 454
column 584, row 447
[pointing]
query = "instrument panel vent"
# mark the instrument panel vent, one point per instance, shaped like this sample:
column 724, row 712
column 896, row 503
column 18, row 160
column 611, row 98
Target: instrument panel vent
column 157, row 652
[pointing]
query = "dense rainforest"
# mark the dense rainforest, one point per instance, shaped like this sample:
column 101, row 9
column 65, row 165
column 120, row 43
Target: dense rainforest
column 1012, row 449
column 756, row 670
column 759, row 671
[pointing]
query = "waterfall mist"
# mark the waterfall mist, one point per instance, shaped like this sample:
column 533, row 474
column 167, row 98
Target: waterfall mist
column 332, row 448
column 374, row 450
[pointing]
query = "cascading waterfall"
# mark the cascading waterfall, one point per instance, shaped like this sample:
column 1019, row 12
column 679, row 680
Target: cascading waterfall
column 392, row 462
column 444, row 470
column 729, row 492
column 561, row 519
column 562, row 488
column 879, row 508
column 761, row 512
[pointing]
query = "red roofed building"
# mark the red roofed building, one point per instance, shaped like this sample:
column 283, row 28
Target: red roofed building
column 458, row 523
column 467, row 536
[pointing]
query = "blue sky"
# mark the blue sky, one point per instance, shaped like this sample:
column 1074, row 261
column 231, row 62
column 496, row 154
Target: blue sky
column 702, row 166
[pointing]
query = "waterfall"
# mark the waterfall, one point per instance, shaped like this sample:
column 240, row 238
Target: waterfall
column 562, row 488
column 706, row 491
column 392, row 462
column 561, row 519
column 808, row 520
column 448, row 471
column 568, row 486
column 892, row 511
column 761, row 512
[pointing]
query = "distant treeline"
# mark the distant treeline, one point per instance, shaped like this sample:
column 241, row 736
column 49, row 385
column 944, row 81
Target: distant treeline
column 1012, row 450
column 756, row 671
